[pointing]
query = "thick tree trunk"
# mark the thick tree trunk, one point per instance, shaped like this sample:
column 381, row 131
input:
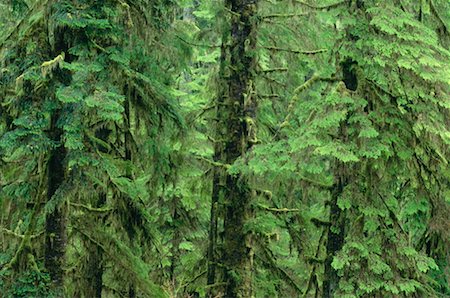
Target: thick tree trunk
column 55, row 223
column 218, row 175
column 239, row 116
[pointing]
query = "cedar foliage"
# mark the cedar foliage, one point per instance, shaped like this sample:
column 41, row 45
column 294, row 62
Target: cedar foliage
column 226, row 148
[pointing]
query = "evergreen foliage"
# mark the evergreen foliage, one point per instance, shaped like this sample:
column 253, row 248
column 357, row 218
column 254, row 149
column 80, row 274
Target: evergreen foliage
column 225, row 148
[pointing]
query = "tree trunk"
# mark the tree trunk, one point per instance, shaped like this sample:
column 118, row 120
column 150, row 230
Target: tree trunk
column 239, row 136
column 334, row 243
column 130, row 228
column 218, row 173
column 55, row 223
column 94, row 270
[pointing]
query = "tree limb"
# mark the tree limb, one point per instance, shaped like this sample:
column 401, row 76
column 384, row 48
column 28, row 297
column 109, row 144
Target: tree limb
column 295, row 51
column 320, row 7
column 92, row 209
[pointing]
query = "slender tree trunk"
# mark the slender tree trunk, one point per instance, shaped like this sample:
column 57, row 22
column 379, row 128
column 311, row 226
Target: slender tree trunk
column 239, row 112
column 55, row 223
column 176, row 240
column 336, row 230
column 128, row 139
column 213, row 225
column 334, row 243
column 94, row 270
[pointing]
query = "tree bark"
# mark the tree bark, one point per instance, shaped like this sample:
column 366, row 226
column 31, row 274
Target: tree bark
column 55, row 222
column 239, row 117
column 217, row 182
column 334, row 243
column 95, row 269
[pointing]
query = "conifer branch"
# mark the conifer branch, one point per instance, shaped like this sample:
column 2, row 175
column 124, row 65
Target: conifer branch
column 304, row 52
column 273, row 80
column 267, row 259
column 278, row 210
column 92, row 209
column 20, row 236
column 392, row 215
column 300, row 89
column 333, row 5
column 213, row 163
column 294, row 98
column 280, row 69
column 193, row 279
column 436, row 14
column 23, row 22
column 269, row 96
column 281, row 15
column 197, row 44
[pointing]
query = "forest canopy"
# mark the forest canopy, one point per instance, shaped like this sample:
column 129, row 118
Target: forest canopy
column 224, row 148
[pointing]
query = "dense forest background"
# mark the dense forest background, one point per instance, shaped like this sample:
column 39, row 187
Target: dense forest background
column 224, row 148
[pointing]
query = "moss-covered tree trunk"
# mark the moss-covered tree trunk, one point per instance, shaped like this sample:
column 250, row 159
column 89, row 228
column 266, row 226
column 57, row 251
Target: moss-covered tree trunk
column 95, row 266
column 335, row 241
column 218, row 177
column 336, row 229
column 239, row 135
column 55, row 222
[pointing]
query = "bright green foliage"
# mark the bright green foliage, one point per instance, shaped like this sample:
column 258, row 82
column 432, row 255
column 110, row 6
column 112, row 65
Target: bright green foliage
column 352, row 139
